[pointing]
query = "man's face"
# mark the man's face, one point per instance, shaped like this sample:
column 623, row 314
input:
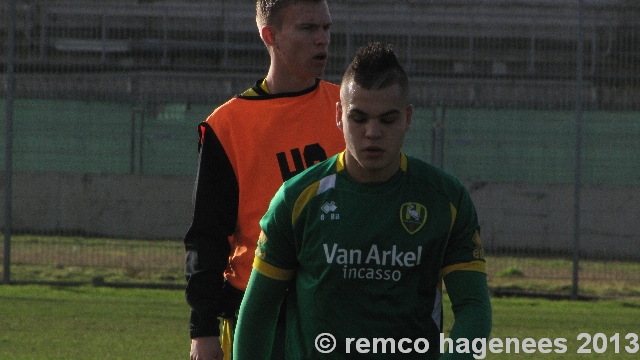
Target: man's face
column 374, row 123
column 302, row 41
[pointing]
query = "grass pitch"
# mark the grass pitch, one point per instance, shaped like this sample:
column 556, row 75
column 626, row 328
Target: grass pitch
column 43, row 322
column 59, row 259
column 47, row 322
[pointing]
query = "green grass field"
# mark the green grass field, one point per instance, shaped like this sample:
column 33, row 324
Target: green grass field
column 37, row 258
column 83, row 322
column 45, row 322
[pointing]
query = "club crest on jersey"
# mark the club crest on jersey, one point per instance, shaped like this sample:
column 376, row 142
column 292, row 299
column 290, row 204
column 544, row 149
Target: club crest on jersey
column 413, row 216
column 262, row 239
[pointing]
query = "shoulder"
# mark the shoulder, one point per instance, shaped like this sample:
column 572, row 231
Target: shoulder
column 331, row 89
column 224, row 112
column 245, row 107
column 312, row 175
column 311, row 182
column 235, row 103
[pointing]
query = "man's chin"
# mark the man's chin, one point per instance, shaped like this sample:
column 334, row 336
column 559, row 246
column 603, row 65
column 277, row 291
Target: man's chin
column 317, row 71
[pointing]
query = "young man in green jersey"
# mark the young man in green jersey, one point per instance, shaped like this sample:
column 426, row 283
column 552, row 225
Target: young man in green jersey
column 361, row 243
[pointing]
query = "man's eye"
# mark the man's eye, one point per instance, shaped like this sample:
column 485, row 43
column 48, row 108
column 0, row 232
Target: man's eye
column 388, row 120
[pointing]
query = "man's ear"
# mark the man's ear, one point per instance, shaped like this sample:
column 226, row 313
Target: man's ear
column 409, row 115
column 268, row 35
column 339, row 115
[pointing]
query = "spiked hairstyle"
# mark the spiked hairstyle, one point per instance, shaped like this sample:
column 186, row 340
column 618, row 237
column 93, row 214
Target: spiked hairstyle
column 376, row 66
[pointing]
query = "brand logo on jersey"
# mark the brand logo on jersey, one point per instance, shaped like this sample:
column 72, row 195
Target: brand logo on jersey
column 478, row 252
column 329, row 207
column 413, row 216
column 379, row 264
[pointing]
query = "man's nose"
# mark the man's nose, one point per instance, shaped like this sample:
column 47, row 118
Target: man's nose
column 373, row 130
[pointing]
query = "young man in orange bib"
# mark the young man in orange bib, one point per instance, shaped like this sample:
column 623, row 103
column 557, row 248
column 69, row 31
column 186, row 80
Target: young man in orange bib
column 248, row 147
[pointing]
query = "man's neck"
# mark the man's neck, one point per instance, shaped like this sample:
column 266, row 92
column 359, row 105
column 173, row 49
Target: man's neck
column 281, row 84
column 368, row 176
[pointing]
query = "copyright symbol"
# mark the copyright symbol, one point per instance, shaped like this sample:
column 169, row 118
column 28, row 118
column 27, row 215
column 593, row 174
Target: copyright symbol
column 325, row 343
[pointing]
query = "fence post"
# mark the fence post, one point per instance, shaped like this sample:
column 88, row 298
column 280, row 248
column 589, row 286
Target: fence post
column 578, row 150
column 136, row 136
column 437, row 138
column 6, row 274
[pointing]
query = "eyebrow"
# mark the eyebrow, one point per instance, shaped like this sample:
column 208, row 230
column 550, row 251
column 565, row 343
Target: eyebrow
column 360, row 112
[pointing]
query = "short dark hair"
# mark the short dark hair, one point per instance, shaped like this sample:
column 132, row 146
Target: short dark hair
column 269, row 12
column 376, row 66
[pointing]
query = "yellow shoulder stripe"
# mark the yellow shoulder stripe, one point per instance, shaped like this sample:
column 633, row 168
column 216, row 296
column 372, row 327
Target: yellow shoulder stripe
column 271, row 271
column 477, row 265
column 303, row 199
column 403, row 162
column 340, row 162
column 454, row 213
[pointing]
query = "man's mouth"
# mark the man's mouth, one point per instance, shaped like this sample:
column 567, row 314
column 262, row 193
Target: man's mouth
column 372, row 150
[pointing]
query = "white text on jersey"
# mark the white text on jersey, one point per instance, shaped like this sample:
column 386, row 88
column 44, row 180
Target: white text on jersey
column 374, row 256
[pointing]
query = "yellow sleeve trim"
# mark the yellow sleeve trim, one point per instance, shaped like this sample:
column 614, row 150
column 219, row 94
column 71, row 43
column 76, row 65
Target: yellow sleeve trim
column 477, row 265
column 454, row 213
column 271, row 271
column 303, row 199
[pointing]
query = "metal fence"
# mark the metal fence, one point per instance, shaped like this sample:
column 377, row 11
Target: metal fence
column 117, row 87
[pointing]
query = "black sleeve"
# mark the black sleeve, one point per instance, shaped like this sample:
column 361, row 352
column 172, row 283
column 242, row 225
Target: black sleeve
column 206, row 243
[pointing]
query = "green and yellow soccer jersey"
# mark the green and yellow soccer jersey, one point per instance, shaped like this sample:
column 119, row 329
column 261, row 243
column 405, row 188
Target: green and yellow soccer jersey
column 367, row 260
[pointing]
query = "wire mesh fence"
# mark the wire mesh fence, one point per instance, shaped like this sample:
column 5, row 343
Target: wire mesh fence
column 108, row 95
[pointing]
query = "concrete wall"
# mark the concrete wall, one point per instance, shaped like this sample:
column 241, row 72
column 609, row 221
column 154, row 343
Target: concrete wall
column 154, row 207
column 514, row 217
column 522, row 217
